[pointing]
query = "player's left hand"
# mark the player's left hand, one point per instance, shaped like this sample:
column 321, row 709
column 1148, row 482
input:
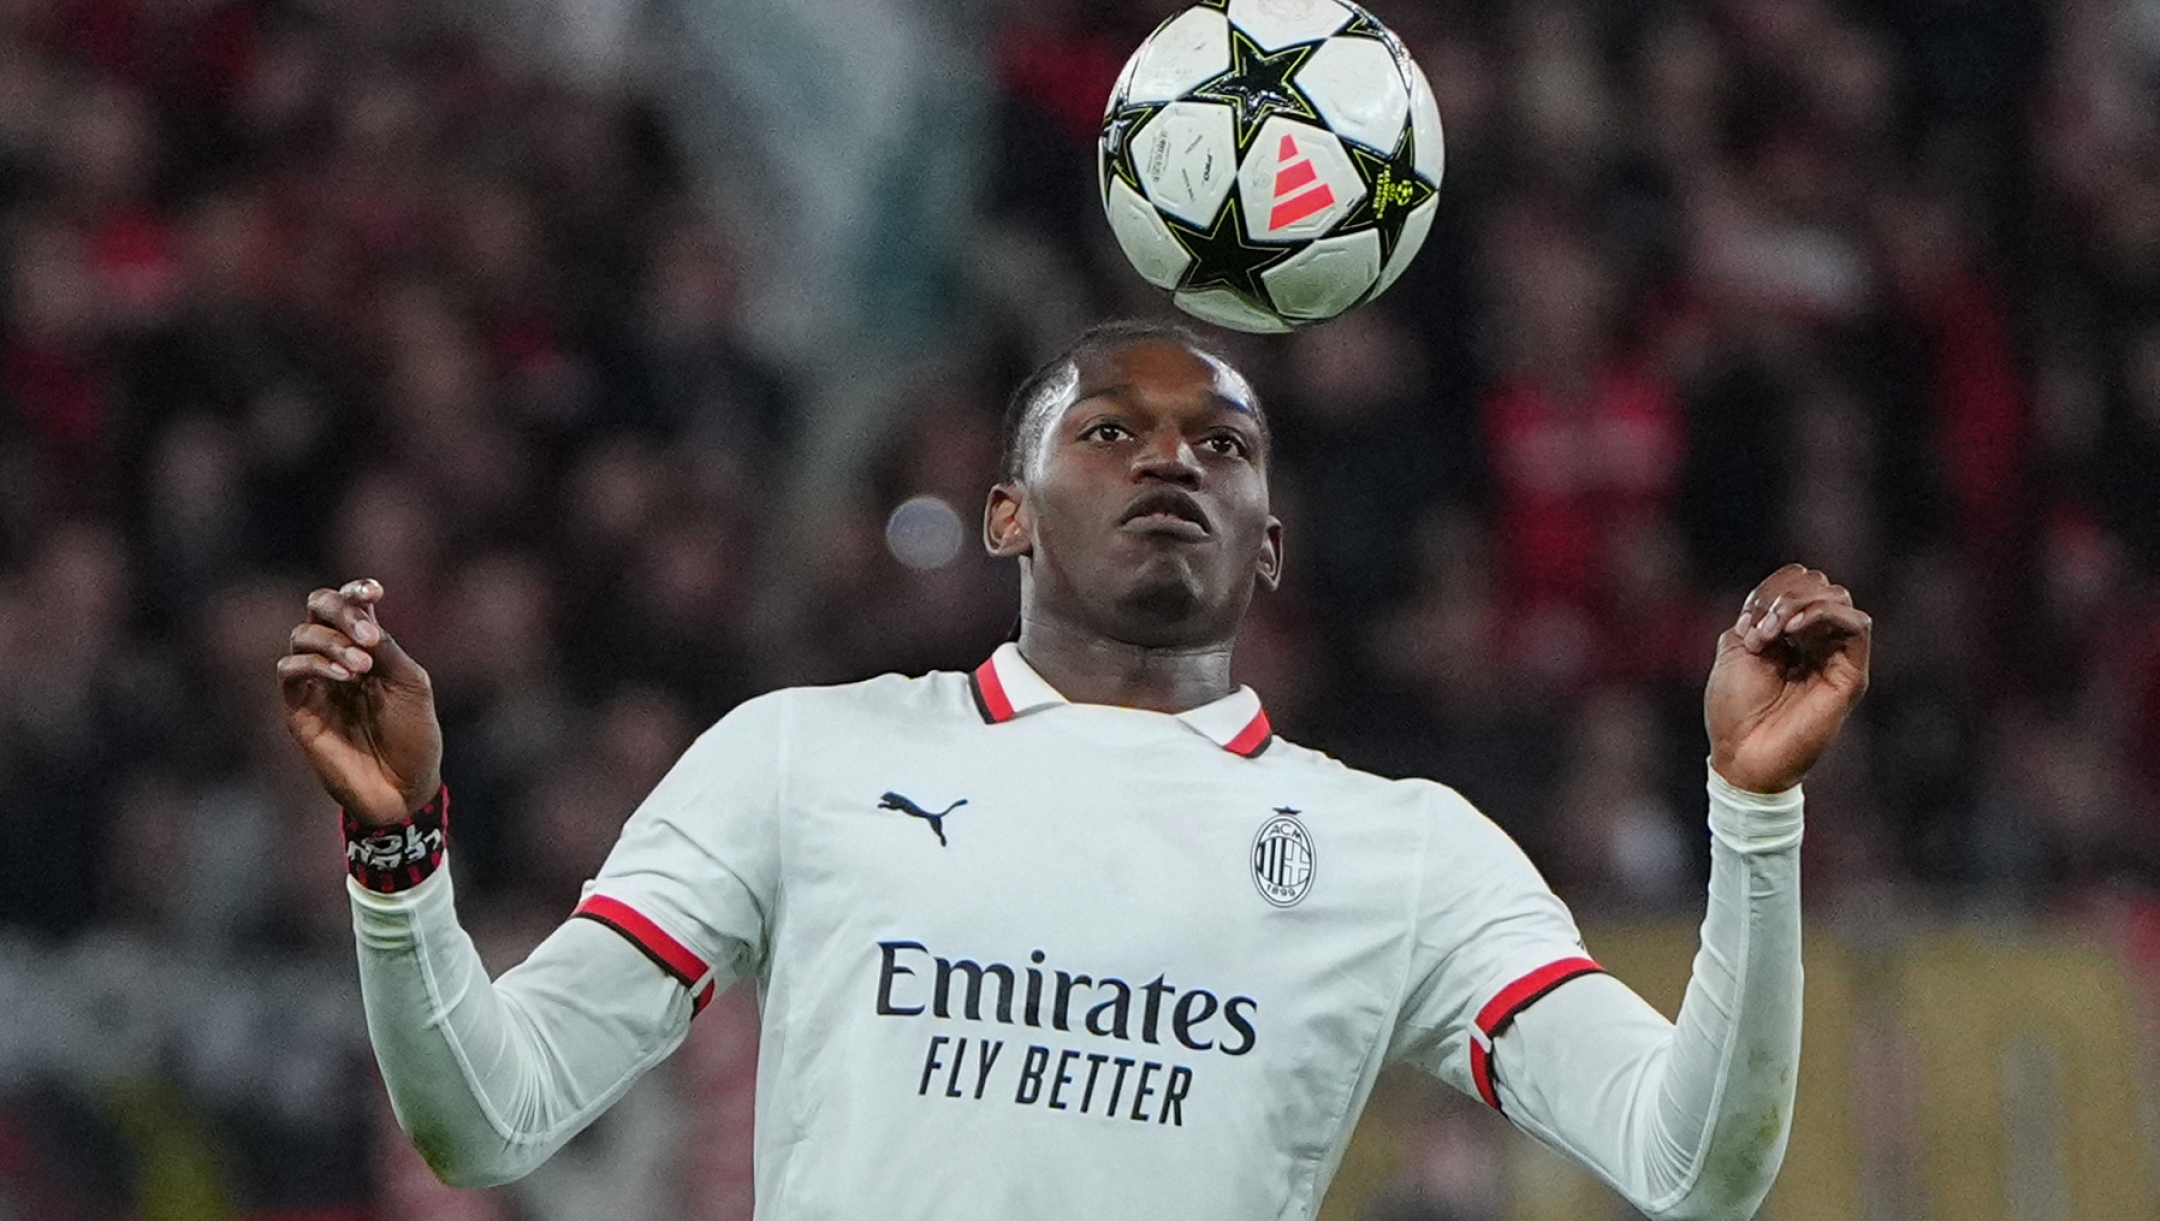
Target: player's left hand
column 1787, row 674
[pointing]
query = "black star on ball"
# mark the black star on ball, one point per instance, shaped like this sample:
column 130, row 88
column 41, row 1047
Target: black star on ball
column 1117, row 142
column 1223, row 258
column 1258, row 85
column 1393, row 190
column 1364, row 25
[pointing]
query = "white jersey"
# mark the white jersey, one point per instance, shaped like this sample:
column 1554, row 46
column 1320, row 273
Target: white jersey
column 1023, row 957
column 1112, row 946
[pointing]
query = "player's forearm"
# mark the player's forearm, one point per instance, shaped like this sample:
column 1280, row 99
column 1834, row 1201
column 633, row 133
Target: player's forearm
column 1736, row 1053
column 1687, row 1120
column 490, row 1078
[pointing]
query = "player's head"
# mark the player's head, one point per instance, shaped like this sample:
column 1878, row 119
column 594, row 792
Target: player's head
column 1048, row 390
column 1134, row 489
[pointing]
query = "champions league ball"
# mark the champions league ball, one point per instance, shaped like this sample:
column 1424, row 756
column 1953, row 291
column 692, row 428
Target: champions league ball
column 1272, row 163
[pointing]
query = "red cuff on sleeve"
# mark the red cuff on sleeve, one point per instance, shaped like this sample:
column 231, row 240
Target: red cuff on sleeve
column 402, row 855
column 1503, row 1007
column 670, row 955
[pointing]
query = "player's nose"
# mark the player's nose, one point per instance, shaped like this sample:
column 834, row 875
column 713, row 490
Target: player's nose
column 1167, row 456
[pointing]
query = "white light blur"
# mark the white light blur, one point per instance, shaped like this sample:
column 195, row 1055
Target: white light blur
column 924, row 533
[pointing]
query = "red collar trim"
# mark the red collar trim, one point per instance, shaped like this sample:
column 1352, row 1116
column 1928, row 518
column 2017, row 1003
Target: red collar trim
column 989, row 693
column 1257, row 736
column 1004, row 686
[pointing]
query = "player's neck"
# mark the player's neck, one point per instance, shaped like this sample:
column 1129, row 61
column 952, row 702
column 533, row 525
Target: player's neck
column 1089, row 668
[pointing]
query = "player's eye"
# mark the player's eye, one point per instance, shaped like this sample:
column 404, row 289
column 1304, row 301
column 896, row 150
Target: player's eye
column 1229, row 445
column 1106, row 430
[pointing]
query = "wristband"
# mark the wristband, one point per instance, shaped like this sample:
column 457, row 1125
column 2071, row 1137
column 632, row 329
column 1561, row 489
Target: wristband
column 403, row 855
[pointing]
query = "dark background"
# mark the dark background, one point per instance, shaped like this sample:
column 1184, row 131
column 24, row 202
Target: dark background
column 297, row 292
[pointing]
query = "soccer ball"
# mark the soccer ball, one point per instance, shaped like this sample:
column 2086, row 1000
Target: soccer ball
column 1272, row 163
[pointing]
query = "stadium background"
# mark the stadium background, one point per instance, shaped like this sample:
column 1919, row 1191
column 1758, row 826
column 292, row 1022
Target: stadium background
column 610, row 334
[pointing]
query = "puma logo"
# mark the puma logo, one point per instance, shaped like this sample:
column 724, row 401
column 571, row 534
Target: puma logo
column 894, row 801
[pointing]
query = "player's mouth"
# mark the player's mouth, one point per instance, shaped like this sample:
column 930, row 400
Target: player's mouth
column 1167, row 512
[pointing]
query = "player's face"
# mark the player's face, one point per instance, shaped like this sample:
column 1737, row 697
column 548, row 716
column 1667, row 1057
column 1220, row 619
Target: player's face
column 1144, row 511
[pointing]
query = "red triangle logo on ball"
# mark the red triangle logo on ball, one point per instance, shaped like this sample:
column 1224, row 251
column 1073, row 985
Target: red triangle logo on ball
column 1298, row 190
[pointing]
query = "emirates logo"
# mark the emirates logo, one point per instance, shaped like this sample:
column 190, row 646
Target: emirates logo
column 1299, row 192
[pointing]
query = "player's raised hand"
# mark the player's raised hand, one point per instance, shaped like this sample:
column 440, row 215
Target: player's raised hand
column 362, row 710
column 1787, row 674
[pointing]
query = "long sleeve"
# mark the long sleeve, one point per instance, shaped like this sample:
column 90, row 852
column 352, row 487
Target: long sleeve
column 490, row 1078
column 1685, row 1119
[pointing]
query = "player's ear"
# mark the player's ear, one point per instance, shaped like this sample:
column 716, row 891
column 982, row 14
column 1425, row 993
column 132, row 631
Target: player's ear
column 1007, row 531
column 1269, row 569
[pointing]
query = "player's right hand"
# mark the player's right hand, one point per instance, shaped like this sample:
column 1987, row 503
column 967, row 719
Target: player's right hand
column 362, row 710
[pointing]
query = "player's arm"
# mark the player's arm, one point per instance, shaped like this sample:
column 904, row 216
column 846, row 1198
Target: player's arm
column 1691, row 1120
column 488, row 1078
column 1686, row 1119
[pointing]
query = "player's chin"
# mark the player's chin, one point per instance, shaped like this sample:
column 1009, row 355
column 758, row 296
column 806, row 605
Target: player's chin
column 1165, row 605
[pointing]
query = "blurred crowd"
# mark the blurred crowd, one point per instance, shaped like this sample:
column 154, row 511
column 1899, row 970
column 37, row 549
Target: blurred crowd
column 298, row 292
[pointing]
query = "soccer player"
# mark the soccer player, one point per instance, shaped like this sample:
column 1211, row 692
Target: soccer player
column 1076, row 935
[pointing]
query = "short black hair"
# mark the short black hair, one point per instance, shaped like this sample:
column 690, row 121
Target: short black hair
column 1096, row 340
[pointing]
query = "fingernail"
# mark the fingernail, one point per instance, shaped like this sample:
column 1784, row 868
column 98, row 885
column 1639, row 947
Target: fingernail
column 356, row 659
column 364, row 632
column 339, row 672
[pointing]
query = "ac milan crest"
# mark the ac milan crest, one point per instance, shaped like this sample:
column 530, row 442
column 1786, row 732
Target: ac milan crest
column 1282, row 859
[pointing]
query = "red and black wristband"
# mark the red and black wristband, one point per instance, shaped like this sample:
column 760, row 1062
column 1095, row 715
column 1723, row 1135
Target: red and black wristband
column 403, row 855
